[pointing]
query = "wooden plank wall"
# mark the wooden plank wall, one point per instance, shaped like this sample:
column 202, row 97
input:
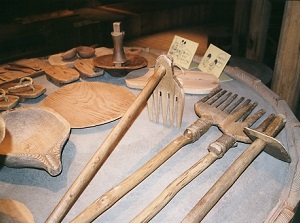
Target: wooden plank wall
column 286, row 76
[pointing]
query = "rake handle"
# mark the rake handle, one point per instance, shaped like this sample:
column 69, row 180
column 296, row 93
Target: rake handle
column 191, row 134
column 103, row 152
column 232, row 174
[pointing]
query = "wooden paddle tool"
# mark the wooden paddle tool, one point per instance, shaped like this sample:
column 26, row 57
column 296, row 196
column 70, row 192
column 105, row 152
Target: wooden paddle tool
column 190, row 135
column 261, row 140
column 163, row 69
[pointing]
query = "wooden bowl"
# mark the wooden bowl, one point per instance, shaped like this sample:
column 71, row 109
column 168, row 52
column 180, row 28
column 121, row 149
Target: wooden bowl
column 34, row 138
column 68, row 55
column 85, row 51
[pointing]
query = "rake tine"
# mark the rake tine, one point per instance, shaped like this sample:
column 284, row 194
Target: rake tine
column 248, row 111
column 215, row 97
column 223, row 99
column 179, row 109
column 235, row 104
column 228, row 102
column 253, row 118
column 164, row 107
column 212, row 93
column 265, row 123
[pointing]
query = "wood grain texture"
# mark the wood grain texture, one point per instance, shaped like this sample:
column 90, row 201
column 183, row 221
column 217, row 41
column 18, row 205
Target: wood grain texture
column 34, row 138
column 86, row 104
column 286, row 76
column 15, row 212
column 87, row 68
column 193, row 82
column 61, row 74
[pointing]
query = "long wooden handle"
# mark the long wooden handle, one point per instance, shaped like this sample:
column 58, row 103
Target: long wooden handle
column 104, row 150
column 191, row 134
column 172, row 189
column 232, row 174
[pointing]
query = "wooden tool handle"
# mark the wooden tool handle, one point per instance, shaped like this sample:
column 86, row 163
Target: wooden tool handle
column 232, row 174
column 173, row 188
column 191, row 134
column 106, row 148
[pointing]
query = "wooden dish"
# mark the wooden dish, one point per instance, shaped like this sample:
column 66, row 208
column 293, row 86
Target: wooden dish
column 87, row 68
column 133, row 61
column 15, row 212
column 86, row 104
column 193, row 82
column 85, row 51
column 34, row 138
column 61, row 74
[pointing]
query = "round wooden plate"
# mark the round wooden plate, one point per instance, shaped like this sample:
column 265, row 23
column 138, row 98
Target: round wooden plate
column 86, row 104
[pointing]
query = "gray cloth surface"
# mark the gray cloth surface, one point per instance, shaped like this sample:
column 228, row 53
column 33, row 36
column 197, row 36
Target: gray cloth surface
column 250, row 199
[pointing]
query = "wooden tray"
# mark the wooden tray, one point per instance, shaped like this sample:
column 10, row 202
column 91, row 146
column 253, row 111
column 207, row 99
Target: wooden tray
column 194, row 82
column 86, row 104
column 34, row 138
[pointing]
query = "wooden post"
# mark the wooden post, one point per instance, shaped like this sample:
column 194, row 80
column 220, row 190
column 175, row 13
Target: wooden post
column 258, row 29
column 286, row 76
column 240, row 27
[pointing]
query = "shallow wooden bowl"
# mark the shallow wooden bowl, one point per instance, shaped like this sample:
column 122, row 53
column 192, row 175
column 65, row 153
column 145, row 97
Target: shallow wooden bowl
column 15, row 212
column 85, row 51
column 34, row 138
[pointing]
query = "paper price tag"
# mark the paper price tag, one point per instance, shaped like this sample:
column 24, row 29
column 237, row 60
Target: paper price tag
column 214, row 61
column 182, row 51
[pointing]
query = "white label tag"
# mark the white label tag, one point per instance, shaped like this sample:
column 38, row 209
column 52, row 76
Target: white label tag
column 182, row 51
column 214, row 61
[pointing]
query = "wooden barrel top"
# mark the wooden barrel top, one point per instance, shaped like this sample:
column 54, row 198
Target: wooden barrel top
column 268, row 191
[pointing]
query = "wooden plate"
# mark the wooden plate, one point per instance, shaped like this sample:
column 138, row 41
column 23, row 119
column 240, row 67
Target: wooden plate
column 34, row 137
column 194, row 82
column 86, row 104
column 14, row 212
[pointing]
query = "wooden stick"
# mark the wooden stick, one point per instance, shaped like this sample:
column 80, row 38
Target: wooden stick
column 191, row 134
column 172, row 189
column 104, row 150
column 216, row 150
column 232, row 174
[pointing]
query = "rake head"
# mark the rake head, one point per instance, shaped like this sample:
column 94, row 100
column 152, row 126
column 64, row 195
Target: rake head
column 167, row 99
column 228, row 112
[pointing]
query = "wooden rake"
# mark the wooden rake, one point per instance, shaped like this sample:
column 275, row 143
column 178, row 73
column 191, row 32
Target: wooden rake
column 170, row 87
column 190, row 135
column 221, row 108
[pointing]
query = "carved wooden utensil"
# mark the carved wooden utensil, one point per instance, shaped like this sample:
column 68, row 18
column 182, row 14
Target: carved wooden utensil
column 190, row 135
column 238, row 166
column 186, row 177
column 164, row 69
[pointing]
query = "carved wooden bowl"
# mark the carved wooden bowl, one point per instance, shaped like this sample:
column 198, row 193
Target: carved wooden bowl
column 34, row 138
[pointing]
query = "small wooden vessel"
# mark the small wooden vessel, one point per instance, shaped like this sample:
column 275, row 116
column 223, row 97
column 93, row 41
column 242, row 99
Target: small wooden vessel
column 15, row 212
column 34, row 138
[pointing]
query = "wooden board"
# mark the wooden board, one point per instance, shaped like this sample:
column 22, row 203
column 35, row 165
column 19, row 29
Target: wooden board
column 86, row 104
column 15, row 212
column 194, row 82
